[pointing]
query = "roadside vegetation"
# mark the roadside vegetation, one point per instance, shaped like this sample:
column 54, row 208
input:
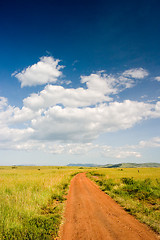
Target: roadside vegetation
column 137, row 190
column 32, row 198
column 32, row 201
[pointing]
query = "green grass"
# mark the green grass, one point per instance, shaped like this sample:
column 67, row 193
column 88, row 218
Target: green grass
column 32, row 200
column 137, row 191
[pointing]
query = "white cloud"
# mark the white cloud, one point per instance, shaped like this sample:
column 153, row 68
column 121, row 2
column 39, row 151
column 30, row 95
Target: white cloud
column 6, row 115
column 137, row 73
column 71, row 148
column 107, row 84
column 119, row 152
column 77, row 124
column 66, row 148
column 99, row 88
column 54, row 95
column 129, row 150
column 155, row 113
column 126, row 154
column 15, row 140
column 23, row 115
column 100, row 82
column 154, row 142
column 63, row 120
column 85, row 124
column 14, row 135
column 126, row 82
column 85, row 148
column 3, row 102
column 45, row 71
column 157, row 78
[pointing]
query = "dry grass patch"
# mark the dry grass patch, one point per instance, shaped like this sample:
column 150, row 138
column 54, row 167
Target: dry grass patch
column 31, row 201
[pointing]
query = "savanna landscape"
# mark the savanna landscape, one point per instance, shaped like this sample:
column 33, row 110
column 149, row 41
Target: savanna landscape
column 33, row 199
column 80, row 120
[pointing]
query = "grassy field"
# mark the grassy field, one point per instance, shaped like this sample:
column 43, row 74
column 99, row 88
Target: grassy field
column 137, row 190
column 31, row 201
column 32, row 198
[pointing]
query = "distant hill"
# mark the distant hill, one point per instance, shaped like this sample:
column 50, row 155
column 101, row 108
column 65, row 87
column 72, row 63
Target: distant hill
column 82, row 165
column 131, row 165
column 119, row 165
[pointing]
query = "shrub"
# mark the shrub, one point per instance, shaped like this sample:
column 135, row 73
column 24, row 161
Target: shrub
column 127, row 180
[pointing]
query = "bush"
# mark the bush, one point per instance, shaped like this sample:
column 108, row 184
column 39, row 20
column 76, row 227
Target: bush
column 128, row 181
column 106, row 185
column 93, row 173
column 41, row 227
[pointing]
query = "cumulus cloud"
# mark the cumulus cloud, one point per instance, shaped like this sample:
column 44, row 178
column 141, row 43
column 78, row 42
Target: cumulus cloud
column 63, row 120
column 14, row 135
column 47, row 70
column 3, row 102
column 107, row 84
column 77, row 124
column 157, row 78
column 6, row 115
column 100, row 87
column 71, row 130
column 85, row 124
column 23, row 115
column 100, row 82
column 137, row 73
column 54, row 95
column 72, row 124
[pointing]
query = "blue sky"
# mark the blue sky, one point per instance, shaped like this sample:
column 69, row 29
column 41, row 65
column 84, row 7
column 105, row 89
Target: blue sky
column 79, row 82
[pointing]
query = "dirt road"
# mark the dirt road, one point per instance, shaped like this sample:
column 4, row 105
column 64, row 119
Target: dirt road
column 92, row 215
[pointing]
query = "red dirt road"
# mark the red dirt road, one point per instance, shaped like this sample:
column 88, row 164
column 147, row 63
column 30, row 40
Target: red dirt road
column 92, row 215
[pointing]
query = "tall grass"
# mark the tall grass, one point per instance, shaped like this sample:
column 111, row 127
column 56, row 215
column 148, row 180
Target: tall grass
column 31, row 201
column 138, row 191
